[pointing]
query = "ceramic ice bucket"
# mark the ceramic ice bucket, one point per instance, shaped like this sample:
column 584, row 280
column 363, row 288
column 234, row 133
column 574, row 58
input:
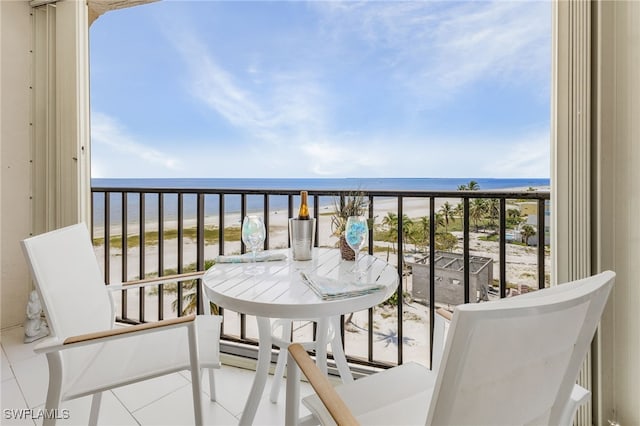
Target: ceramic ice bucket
column 302, row 236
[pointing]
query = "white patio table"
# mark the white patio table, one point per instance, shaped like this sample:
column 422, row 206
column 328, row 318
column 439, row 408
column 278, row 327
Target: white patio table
column 278, row 291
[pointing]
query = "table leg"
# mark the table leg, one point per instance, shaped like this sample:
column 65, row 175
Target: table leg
column 282, row 360
column 338, row 352
column 321, row 344
column 262, row 370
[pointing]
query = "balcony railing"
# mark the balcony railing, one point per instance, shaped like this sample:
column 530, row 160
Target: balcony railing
column 163, row 231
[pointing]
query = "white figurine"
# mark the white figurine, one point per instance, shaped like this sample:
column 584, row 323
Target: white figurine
column 34, row 326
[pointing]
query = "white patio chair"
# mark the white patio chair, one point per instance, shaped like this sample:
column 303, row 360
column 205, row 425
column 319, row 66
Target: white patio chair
column 85, row 353
column 508, row 362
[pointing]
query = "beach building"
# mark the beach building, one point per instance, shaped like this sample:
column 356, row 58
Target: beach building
column 45, row 175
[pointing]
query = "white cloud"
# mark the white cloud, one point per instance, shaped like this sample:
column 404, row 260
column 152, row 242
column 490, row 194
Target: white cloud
column 116, row 153
column 528, row 156
column 436, row 49
column 292, row 104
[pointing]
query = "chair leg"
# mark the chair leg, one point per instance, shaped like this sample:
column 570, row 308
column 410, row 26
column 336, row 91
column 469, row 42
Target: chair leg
column 579, row 396
column 212, row 385
column 54, row 391
column 293, row 391
column 195, row 374
column 96, row 401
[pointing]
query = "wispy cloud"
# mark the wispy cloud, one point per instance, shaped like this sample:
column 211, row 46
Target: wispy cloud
column 436, row 49
column 289, row 105
column 113, row 141
column 527, row 156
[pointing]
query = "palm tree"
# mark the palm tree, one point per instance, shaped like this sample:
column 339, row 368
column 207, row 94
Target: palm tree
column 390, row 221
column 407, row 226
column 527, row 232
column 492, row 206
column 477, row 211
column 513, row 213
column 473, row 185
column 447, row 213
column 440, row 222
column 513, row 217
column 423, row 226
column 458, row 210
column 189, row 296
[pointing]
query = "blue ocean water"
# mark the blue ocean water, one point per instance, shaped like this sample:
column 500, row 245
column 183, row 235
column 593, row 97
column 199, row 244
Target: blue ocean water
column 398, row 184
column 254, row 203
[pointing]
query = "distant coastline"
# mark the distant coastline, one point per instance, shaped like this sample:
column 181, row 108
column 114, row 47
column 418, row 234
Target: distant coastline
column 367, row 184
column 232, row 203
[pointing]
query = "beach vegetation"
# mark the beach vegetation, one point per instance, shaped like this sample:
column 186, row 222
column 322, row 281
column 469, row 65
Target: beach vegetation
column 353, row 204
column 446, row 210
column 471, row 186
column 211, row 236
column 393, row 299
column 514, row 218
column 389, row 229
column 526, row 232
column 492, row 211
column 477, row 209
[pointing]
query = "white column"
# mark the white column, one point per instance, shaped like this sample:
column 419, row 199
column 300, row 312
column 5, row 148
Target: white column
column 571, row 171
column 61, row 134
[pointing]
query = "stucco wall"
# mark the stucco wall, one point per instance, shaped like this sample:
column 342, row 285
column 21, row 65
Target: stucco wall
column 15, row 142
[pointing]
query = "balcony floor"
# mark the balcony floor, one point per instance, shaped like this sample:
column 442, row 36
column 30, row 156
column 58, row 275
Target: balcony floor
column 162, row 401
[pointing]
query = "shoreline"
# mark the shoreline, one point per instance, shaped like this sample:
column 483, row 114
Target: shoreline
column 412, row 207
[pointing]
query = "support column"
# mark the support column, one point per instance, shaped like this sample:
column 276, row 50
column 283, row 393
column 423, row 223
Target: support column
column 571, row 171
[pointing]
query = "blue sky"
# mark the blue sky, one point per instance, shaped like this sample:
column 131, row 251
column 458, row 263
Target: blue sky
column 321, row 89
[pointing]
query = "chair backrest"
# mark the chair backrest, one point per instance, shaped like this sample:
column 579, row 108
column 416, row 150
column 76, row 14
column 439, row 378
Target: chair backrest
column 514, row 361
column 69, row 281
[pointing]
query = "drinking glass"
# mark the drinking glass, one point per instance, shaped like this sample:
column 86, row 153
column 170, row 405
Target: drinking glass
column 253, row 235
column 356, row 233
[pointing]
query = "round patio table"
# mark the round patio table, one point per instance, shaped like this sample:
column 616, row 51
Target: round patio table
column 278, row 290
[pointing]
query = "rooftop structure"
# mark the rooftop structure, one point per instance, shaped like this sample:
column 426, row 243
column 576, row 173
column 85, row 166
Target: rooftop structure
column 449, row 287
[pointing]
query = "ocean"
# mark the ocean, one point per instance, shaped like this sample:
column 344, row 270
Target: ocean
column 254, row 203
column 398, row 184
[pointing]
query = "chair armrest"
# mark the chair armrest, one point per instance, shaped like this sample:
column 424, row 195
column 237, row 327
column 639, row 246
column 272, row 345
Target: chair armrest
column 57, row 344
column 448, row 315
column 328, row 395
column 127, row 285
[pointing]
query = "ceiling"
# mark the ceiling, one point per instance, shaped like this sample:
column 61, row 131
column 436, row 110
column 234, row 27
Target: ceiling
column 99, row 7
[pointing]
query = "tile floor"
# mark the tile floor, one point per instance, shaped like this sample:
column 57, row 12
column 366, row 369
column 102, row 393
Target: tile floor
column 162, row 401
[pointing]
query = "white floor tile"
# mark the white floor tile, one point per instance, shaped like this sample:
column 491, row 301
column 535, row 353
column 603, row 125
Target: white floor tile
column 177, row 409
column 14, row 346
column 138, row 395
column 76, row 412
column 33, row 376
column 12, row 400
column 5, row 367
column 162, row 401
column 232, row 387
